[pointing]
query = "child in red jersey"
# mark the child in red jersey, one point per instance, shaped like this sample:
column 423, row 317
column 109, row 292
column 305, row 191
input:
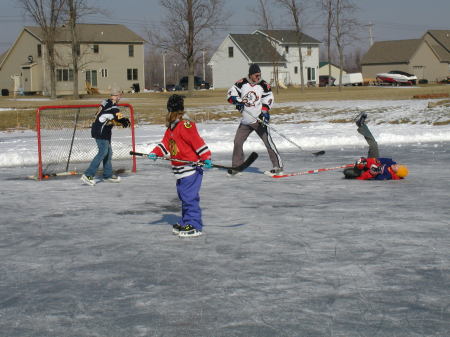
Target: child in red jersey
column 373, row 167
column 182, row 141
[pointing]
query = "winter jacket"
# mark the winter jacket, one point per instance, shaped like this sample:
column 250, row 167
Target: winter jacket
column 251, row 99
column 182, row 141
column 101, row 128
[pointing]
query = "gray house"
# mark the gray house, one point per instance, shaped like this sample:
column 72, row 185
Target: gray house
column 110, row 56
column 276, row 51
column 427, row 58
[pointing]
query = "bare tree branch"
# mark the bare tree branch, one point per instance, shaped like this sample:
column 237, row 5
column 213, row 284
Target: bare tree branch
column 47, row 14
column 187, row 28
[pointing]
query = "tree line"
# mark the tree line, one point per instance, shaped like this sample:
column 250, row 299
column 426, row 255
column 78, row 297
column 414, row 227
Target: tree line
column 186, row 30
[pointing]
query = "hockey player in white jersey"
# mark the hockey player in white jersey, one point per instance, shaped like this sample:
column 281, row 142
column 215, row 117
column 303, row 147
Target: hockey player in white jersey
column 253, row 97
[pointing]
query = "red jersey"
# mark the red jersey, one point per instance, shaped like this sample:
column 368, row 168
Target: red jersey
column 377, row 169
column 182, row 141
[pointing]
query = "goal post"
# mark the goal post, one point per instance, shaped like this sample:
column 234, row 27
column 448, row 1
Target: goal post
column 65, row 145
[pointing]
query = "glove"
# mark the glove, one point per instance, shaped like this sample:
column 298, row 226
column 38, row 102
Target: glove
column 124, row 121
column 264, row 117
column 240, row 106
column 207, row 164
column 361, row 163
column 152, row 156
column 375, row 170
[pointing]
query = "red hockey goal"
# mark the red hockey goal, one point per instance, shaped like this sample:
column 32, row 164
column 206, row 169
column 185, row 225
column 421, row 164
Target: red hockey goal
column 65, row 145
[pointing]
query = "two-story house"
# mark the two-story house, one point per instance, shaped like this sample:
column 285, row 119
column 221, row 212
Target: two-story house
column 276, row 52
column 109, row 56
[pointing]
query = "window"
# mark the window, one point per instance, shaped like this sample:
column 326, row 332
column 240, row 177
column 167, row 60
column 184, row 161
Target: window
column 95, row 48
column 39, row 50
column 64, row 75
column 104, row 72
column 230, row 51
column 132, row 74
column 130, row 50
column 295, row 70
column 286, row 49
column 309, row 50
column 91, row 77
column 311, row 74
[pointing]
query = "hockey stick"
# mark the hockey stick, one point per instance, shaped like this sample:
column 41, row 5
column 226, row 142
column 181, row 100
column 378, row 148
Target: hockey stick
column 251, row 158
column 318, row 153
column 311, row 171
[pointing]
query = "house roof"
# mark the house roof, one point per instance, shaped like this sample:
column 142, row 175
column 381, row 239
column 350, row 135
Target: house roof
column 288, row 36
column 88, row 33
column 257, row 48
column 324, row 63
column 440, row 44
column 2, row 56
column 396, row 51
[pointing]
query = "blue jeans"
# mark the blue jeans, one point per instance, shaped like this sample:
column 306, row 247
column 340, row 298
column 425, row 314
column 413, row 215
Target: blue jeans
column 104, row 154
column 188, row 189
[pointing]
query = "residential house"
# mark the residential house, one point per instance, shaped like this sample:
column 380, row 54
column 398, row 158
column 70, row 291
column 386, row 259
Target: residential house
column 427, row 58
column 276, row 52
column 335, row 70
column 109, row 56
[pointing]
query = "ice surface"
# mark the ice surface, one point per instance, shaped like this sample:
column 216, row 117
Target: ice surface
column 312, row 255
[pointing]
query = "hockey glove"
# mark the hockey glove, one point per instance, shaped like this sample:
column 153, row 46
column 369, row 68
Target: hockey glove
column 125, row 122
column 207, row 164
column 361, row 163
column 376, row 170
column 152, row 156
column 264, row 117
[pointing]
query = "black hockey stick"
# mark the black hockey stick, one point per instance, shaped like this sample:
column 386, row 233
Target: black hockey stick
column 318, row 153
column 251, row 158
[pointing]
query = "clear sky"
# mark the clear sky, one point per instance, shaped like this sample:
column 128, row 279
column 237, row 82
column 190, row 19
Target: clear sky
column 391, row 19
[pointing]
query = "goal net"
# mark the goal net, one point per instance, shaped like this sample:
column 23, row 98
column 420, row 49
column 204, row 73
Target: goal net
column 65, row 145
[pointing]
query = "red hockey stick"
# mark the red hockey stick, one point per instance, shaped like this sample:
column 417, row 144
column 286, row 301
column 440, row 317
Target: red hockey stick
column 311, row 171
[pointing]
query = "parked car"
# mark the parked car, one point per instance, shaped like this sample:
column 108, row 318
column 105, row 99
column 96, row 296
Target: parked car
column 173, row 87
column 326, row 80
column 198, row 83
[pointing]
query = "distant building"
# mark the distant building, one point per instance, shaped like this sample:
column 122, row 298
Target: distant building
column 427, row 58
column 335, row 70
column 276, row 52
column 110, row 56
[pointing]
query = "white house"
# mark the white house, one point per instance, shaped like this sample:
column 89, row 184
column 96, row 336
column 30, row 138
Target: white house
column 110, row 56
column 276, row 52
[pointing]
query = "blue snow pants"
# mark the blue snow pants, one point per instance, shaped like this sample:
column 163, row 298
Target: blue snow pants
column 188, row 189
column 104, row 155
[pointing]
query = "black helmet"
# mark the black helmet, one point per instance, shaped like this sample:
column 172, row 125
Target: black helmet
column 175, row 103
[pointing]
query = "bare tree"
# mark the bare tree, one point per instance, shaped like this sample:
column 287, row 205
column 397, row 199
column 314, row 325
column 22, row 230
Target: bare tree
column 75, row 10
column 185, row 27
column 345, row 28
column 327, row 9
column 264, row 21
column 47, row 14
column 295, row 9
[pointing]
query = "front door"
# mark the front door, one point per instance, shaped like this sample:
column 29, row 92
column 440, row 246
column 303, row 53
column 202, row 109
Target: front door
column 91, row 77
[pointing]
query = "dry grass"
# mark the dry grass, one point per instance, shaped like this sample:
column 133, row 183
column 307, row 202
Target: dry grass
column 151, row 107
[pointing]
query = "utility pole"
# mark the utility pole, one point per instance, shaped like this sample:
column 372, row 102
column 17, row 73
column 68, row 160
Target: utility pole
column 204, row 71
column 164, row 70
column 370, row 25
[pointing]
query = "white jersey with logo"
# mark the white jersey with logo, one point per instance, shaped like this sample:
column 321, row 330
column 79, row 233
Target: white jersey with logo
column 256, row 98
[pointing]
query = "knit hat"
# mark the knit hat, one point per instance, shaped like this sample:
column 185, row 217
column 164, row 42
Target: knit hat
column 402, row 171
column 175, row 103
column 254, row 68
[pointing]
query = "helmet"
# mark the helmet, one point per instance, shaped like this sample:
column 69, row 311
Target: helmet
column 402, row 171
column 175, row 103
